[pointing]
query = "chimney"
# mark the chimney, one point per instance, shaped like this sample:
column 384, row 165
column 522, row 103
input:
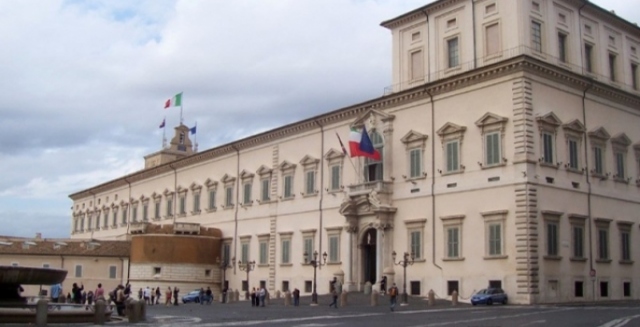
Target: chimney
column 38, row 236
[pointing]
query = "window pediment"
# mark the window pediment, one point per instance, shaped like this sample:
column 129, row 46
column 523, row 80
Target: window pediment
column 574, row 126
column 621, row 140
column 264, row 171
column 227, row 179
column 451, row 129
column 309, row 162
column 414, row 138
column 491, row 120
column 333, row 155
column 143, row 198
column 548, row 121
column 371, row 118
column 600, row 133
column 636, row 149
column 286, row 166
column 245, row 175
column 181, row 189
column 195, row 187
column 210, row 183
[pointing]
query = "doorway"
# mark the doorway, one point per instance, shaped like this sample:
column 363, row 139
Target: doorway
column 369, row 255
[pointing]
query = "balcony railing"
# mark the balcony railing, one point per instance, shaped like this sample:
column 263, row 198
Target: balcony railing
column 381, row 187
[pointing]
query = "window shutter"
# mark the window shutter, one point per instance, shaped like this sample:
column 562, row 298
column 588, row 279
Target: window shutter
column 492, row 39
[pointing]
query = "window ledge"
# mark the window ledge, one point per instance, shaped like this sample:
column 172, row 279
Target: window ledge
column 575, row 171
column 309, row 195
column 122, row 225
column 168, row 217
column 212, row 210
column 454, row 172
column 265, row 201
column 576, row 259
column 421, row 260
column 196, row 212
column 286, row 265
column 552, row 257
column 335, row 191
column 334, row 263
column 227, row 207
column 287, row 198
column 416, row 178
column 621, row 180
column 451, row 70
column 625, row 262
column 495, row 257
column 603, row 260
column 156, row 218
column 182, row 215
column 249, row 204
column 263, row 265
column 547, row 164
column 485, row 166
column 453, row 259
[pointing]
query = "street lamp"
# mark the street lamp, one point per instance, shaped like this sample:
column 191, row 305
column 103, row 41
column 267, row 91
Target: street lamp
column 315, row 264
column 248, row 266
column 406, row 261
column 224, row 265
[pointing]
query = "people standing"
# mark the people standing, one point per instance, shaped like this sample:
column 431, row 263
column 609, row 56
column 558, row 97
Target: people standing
column 176, row 291
column 209, row 295
column 77, row 293
column 147, row 295
column 167, row 295
column 120, row 297
column 99, row 293
column 56, row 292
column 263, row 294
column 140, row 293
column 153, row 296
column 254, row 301
column 158, row 295
column 334, row 294
column 224, row 294
column 296, row 297
column 393, row 296
column 383, row 285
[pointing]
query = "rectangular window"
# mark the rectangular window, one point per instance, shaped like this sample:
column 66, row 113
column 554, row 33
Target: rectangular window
column 573, row 154
column 620, row 171
column 552, row 238
column 212, row 199
column 634, row 76
column 247, row 194
column 588, row 58
column 114, row 217
column 626, row 289
column 228, row 202
column 183, row 205
column 308, row 285
column 625, row 250
column 226, row 252
column 265, row 190
column 492, row 145
column 286, row 251
column 112, row 272
column 334, row 248
column 196, row 202
column 453, row 52
column 578, row 241
column 134, row 214
column 311, row 182
column 597, row 160
column 245, row 252
column 562, row 47
column 145, row 212
column 452, row 285
column 604, row 289
column 157, row 210
column 603, row 244
column 536, row 36
column 452, row 156
column 415, row 159
column 492, row 39
column 285, row 286
column 417, row 70
column 105, row 220
column 308, row 247
column 416, row 244
column 335, row 178
column 578, row 289
column 453, row 242
column 612, row 67
column 264, row 250
column 495, row 239
column 547, row 148
column 288, row 186
column 169, row 206
column 78, row 271
column 124, row 215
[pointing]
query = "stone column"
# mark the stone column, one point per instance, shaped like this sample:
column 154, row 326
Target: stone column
column 350, row 280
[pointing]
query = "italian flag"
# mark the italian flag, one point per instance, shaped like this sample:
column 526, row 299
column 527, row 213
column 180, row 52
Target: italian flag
column 361, row 146
column 176, row 101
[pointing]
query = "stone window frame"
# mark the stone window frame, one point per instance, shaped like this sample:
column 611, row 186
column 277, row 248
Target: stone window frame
column 196, row 202
column 451, row 132
column 636, row 151
column 124, row 209
column 334, row 232
column 76, row 270
column 578, row 221
column 288, row 170
column 212, row 186
column 170, row 204
column 494, row 217
column 574, row 131
column 620, row 145
column 285, row 236
column 145, row 208
column 625, row 227
column 414, row 141
column 490, row 124
column 598, row 139
column 228, row 182
column 134, row 210
column 246, row 180
column 548, row 125
column 412, row 226
column 114, row 215
column 603, row 224
column 263, row 239
column 452, row 222
column 335, row 158
column 550, row 217
column 105, row 217
column 265, row 174
column 245, row 240
column 308, row 234
column 448, row 68
column 182, row 201
column 310, row 164
column 157, row 206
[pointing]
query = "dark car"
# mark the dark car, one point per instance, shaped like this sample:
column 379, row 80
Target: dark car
column 489, row 296
column 193, row 296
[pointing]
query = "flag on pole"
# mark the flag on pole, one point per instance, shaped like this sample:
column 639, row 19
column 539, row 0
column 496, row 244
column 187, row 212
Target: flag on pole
column 162, row 124
column 193, row 129
column 176, row 101
column 361, row 146
column 344, row 150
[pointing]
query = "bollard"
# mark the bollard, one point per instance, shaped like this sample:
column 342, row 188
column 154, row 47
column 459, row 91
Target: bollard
column 101, row 308
column 41, row 312
column 267, row 298
column 343, row 299
column 374, row 298
column 432, row 298
column 367, row 288
column 287, row 298
column 454, row 298
column 132, row 311
column 278, row 294
column 143, row 311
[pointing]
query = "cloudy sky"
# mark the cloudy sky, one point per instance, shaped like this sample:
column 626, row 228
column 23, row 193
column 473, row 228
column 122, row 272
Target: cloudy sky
column 83, row 82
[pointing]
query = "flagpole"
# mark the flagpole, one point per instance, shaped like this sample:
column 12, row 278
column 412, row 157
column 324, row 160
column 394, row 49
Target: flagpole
column 164, row 132
column 195, row 138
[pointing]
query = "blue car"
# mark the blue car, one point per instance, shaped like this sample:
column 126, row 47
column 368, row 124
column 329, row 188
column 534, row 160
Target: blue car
column 193, row 296
column 489, row 296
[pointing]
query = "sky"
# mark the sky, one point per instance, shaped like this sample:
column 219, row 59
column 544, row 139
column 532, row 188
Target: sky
column 84, row 82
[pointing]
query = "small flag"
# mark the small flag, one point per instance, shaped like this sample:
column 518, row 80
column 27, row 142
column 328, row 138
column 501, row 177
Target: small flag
column 193, row 129
column 344, row 150
column 176, row 101
column 162, row 124
column 361, row 146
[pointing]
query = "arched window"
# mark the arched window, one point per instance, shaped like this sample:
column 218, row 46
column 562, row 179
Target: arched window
column 373, row 168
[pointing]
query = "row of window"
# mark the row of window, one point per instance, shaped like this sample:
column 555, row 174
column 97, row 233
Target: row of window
column 78, row 270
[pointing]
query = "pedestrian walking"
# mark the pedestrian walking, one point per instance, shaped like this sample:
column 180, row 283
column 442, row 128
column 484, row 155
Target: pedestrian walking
column 77, row 293
column 56, row 292
column 393, row 296
column 176, row 291
column 120, row 298
column 334, row 294
column 209, row 295
column 296, row 297
column 167, row 294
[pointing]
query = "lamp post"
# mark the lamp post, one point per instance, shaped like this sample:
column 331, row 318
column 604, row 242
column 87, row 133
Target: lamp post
column 406, row 261
column 224, row 265
column 247, row 266
column 315, row 264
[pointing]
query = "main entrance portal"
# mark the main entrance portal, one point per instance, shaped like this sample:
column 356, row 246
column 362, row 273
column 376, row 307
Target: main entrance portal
column 369, row 255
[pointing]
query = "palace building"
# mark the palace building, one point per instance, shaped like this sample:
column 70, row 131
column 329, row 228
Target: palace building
column 510, row 157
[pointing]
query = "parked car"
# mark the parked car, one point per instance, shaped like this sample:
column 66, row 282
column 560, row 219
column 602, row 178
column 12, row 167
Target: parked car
column 193, row 296
column 489, row 296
